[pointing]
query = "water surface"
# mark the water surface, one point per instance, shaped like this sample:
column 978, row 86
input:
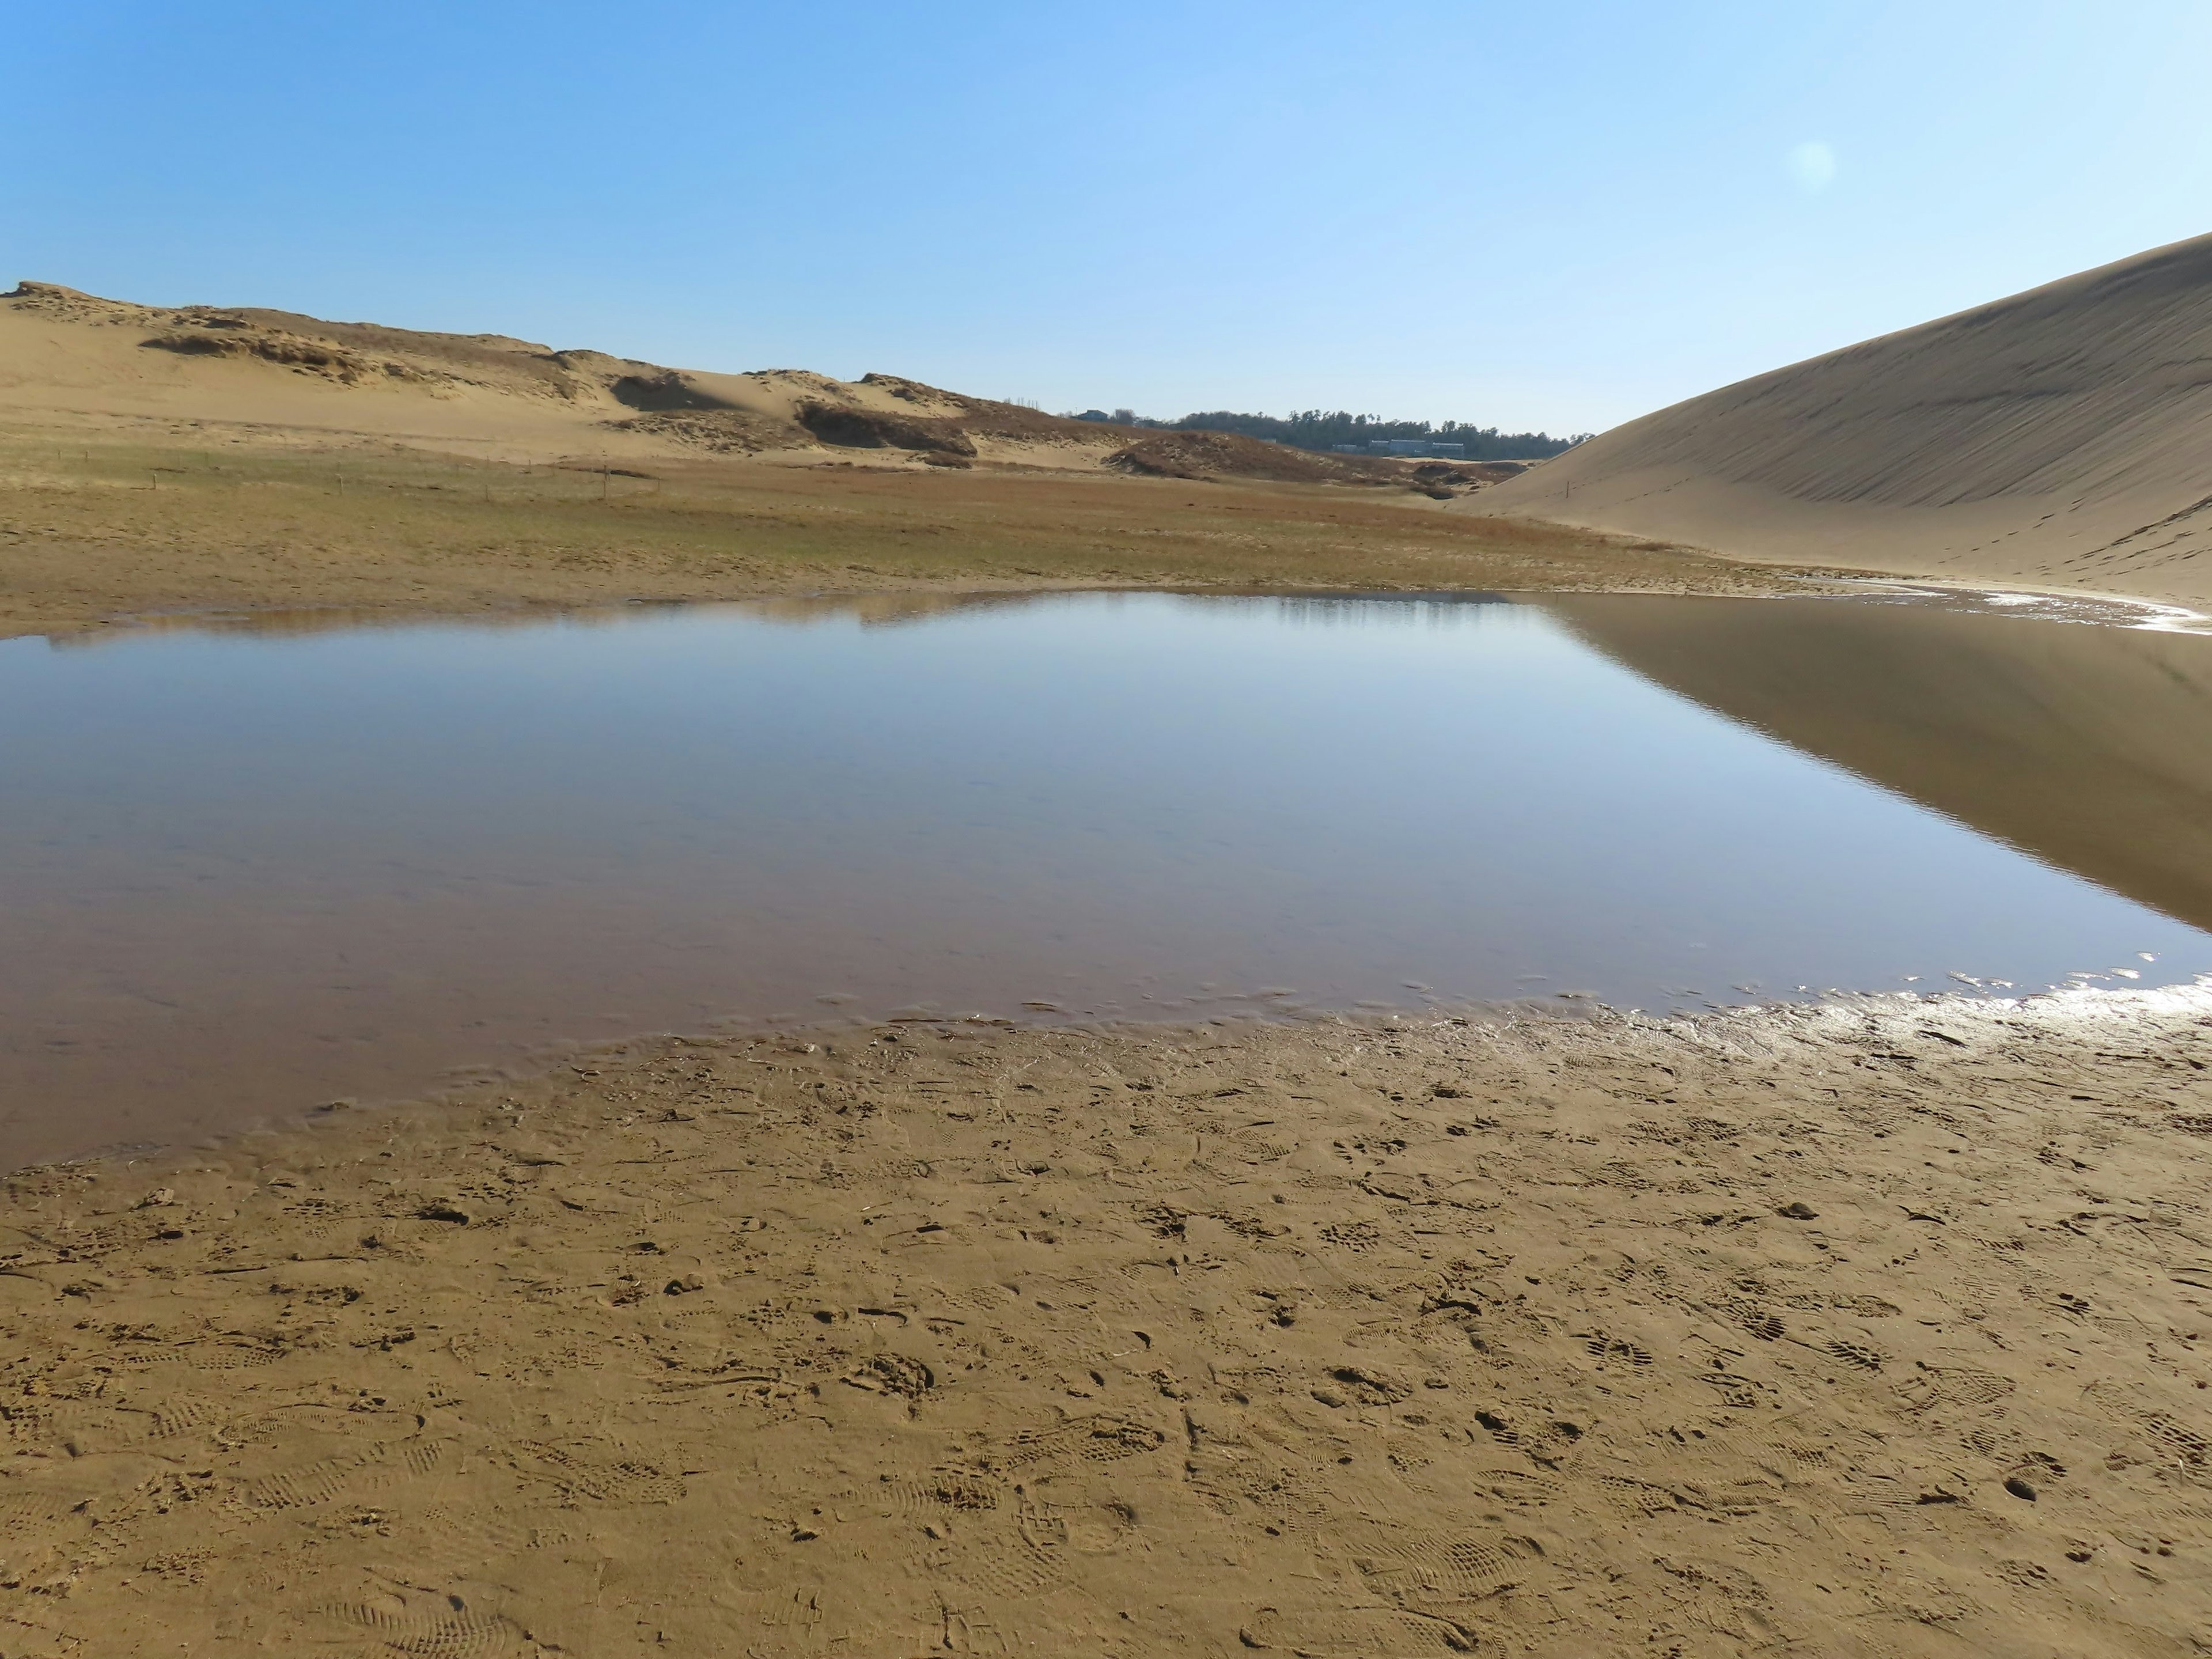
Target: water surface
column 244, row 871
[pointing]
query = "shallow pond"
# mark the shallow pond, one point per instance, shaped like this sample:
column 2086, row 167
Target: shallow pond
column 247, row 869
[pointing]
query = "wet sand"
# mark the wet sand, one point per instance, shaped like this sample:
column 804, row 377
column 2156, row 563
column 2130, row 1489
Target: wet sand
column 1871, row 1330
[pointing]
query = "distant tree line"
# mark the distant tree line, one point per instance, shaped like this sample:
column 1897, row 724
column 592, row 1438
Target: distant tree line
column 1316, row 429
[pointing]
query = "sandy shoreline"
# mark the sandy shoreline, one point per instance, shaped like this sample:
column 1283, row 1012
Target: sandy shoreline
column 1336, row 1338
column 1869, row 1329
column 238, row 528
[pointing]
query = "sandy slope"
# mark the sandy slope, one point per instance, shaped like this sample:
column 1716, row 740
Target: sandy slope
column 1615, row 1338
column 290, row 381
column 282, row 375
column 2061, row 437
column 197, row 458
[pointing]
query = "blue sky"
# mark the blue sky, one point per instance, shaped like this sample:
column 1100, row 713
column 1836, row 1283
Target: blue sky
column 1532, row 216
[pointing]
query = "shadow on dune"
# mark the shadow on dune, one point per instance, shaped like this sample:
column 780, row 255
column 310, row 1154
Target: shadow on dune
column 2089, row 747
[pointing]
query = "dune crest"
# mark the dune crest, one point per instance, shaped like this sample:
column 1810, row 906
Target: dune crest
column 2058, row 438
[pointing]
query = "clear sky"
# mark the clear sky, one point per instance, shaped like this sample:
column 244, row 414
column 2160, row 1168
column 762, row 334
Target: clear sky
column 1534, row 215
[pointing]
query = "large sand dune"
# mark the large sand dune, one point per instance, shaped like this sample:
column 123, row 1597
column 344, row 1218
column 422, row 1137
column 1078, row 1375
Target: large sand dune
column 73, row 353
column 279, row 376
column 2060, row 438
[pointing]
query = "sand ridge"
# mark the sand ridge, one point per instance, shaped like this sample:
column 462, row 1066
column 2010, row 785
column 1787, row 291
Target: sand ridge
column 493, row 397
column 1861, row 1330
column 2053, row 439
column 194, row 459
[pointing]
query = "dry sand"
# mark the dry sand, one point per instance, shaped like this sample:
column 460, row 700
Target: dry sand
column 1854, row 1331
column 2055, row 439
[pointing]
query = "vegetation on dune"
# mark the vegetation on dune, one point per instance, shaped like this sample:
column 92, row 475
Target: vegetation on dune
column 1322, row 429
column 92, row 528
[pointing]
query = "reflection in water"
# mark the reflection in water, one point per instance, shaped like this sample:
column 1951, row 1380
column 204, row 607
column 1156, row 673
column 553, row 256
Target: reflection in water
column 339, row 619
column 891, row 610
column 2089, row 747
column 246, row 871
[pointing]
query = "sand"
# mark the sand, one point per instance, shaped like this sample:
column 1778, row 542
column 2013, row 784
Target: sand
column 484, row 395
column 2056, row 439
column 280, row 463
column 1863, row 1330
column 1874, row 1330
column 2052, row 440
column 95, row 531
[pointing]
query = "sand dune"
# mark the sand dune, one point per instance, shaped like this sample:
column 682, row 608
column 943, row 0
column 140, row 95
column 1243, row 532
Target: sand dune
column 488, row 394
column 290, row 378
column 198, row 459
column 2061, row 437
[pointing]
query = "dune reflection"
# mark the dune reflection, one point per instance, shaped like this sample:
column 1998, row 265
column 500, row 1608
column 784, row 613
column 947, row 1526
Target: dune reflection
column 2089, row 747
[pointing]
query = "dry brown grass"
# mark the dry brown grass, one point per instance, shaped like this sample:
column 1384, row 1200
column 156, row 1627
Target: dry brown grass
column 93, row 529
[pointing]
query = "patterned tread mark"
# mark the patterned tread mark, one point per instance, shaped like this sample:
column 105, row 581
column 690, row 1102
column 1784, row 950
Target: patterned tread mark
column 183, row 1416
column 1022, row 1553
column 478, row 1536
column 1353, row 1235
column 1371, row 1387
column 1737, row 1393
column 624, row 1482
column 28, row 1518
column 1429, row 1571
column 1638, row 1497
column 1340, row 1297
column 1616, row 1349
column 1959, row 1385
column 1732, row 1466
column 1802, row 1452
column 1355, row 1632
column 893, row 1373
column 1856, row 1353
column 1759, row 1321
column 1866, row 1307
column 1519, row 1486
column 421, row 1627
column 213, row 1356
column 335, row 1477
column 959, row 1490
column 1102, row 1439
column 185, row 1567
column 2184, row 1442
